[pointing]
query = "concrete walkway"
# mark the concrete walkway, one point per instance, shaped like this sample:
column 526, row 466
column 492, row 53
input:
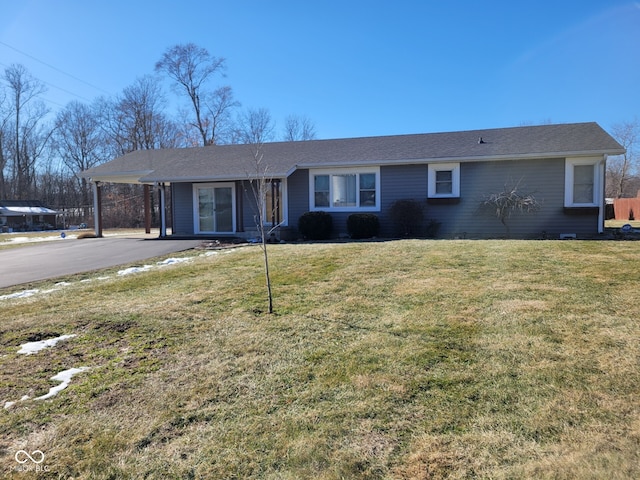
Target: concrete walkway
column 51, row 259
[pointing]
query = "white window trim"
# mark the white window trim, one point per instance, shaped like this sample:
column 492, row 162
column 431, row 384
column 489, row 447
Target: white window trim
column 570, row 163
column 196, row 207
column 454, row 168
column 343, row 171
column 284, row 206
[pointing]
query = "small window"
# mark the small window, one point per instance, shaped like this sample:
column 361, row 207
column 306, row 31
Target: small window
column 345, row 190
column 582, row 182
column 368, row 190
column 321, row 190
column 444, row 180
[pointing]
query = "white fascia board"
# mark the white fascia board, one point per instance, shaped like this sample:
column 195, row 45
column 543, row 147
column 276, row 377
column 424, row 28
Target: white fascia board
column 119, row 177
column 483, row 158
column 209, row 178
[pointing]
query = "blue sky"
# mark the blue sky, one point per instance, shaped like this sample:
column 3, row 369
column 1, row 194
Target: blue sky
column 355, row 68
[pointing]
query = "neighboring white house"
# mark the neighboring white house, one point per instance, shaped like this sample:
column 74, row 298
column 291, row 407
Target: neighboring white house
column 26, row 215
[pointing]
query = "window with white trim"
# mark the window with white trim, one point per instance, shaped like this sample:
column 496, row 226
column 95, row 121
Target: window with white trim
column 443, row 180
column 345, row 189
column 581, row 182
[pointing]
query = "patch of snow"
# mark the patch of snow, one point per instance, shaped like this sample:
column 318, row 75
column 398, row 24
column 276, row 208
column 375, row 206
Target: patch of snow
column 47, row 238
column 22, row 294
column 173, row 261
column 87, row 280
column 131, row 270
column 126, row 271
column 64, row 377
column 34, row 347
column 50, row 290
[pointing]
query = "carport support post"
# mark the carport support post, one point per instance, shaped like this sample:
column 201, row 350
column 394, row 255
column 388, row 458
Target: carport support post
column 163, row 213
column 97, row 208
column 147, row 208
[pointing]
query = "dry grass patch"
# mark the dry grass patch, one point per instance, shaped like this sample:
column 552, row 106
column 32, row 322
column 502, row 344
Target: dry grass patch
column 408, row 359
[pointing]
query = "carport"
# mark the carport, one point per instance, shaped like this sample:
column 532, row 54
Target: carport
column 124, row 174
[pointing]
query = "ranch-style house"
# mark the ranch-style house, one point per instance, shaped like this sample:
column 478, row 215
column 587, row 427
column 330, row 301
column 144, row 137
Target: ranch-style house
column 451, row 174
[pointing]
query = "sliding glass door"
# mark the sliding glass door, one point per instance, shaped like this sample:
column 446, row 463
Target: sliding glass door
column 214, row 208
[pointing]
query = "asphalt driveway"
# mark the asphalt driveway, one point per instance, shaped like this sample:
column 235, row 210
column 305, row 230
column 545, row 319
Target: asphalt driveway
column 53, row 259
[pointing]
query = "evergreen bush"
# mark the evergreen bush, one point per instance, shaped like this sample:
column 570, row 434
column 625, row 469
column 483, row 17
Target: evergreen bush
column 363, row 225
column 315, row 225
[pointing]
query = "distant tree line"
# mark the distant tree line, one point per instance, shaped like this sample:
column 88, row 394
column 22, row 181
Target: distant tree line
column 623, row 171
column 42, row 152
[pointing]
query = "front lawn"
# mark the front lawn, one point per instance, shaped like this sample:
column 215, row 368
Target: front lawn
column 405, row 359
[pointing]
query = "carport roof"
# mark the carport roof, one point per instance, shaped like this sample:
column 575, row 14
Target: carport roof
column 235, row 162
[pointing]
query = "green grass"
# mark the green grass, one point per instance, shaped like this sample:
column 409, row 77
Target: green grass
column 405, row 359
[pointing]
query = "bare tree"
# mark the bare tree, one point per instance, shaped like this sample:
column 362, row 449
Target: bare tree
column 192, row 68
column 79, row 141
column 219, row 105
column 28, row 133
column 256, row 127
column 505, row 203
column 4, row 133
column 298, row 128
column 135, row 120
column 622, row 168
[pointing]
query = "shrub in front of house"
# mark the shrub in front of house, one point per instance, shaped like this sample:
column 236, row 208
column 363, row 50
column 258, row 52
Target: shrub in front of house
column 363, row 225
column 315, row 225
column 408, row 217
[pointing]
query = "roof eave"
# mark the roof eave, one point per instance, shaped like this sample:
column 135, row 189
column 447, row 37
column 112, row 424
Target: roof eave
column 464, row 159
column 117, row 177
column 211, row 178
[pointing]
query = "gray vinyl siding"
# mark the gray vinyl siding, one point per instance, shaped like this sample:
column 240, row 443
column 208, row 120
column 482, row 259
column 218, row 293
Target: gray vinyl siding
column 249, row 207
column 403, row 182
column 182, row 197
column 545, row 179
column 298, row 196
column 465, row 219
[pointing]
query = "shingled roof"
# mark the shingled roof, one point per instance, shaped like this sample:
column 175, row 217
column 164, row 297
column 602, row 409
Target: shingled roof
column 233, row 162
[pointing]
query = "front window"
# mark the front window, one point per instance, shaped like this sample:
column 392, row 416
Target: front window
column 346, row 190
column 582, row 178
column 443, row 180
